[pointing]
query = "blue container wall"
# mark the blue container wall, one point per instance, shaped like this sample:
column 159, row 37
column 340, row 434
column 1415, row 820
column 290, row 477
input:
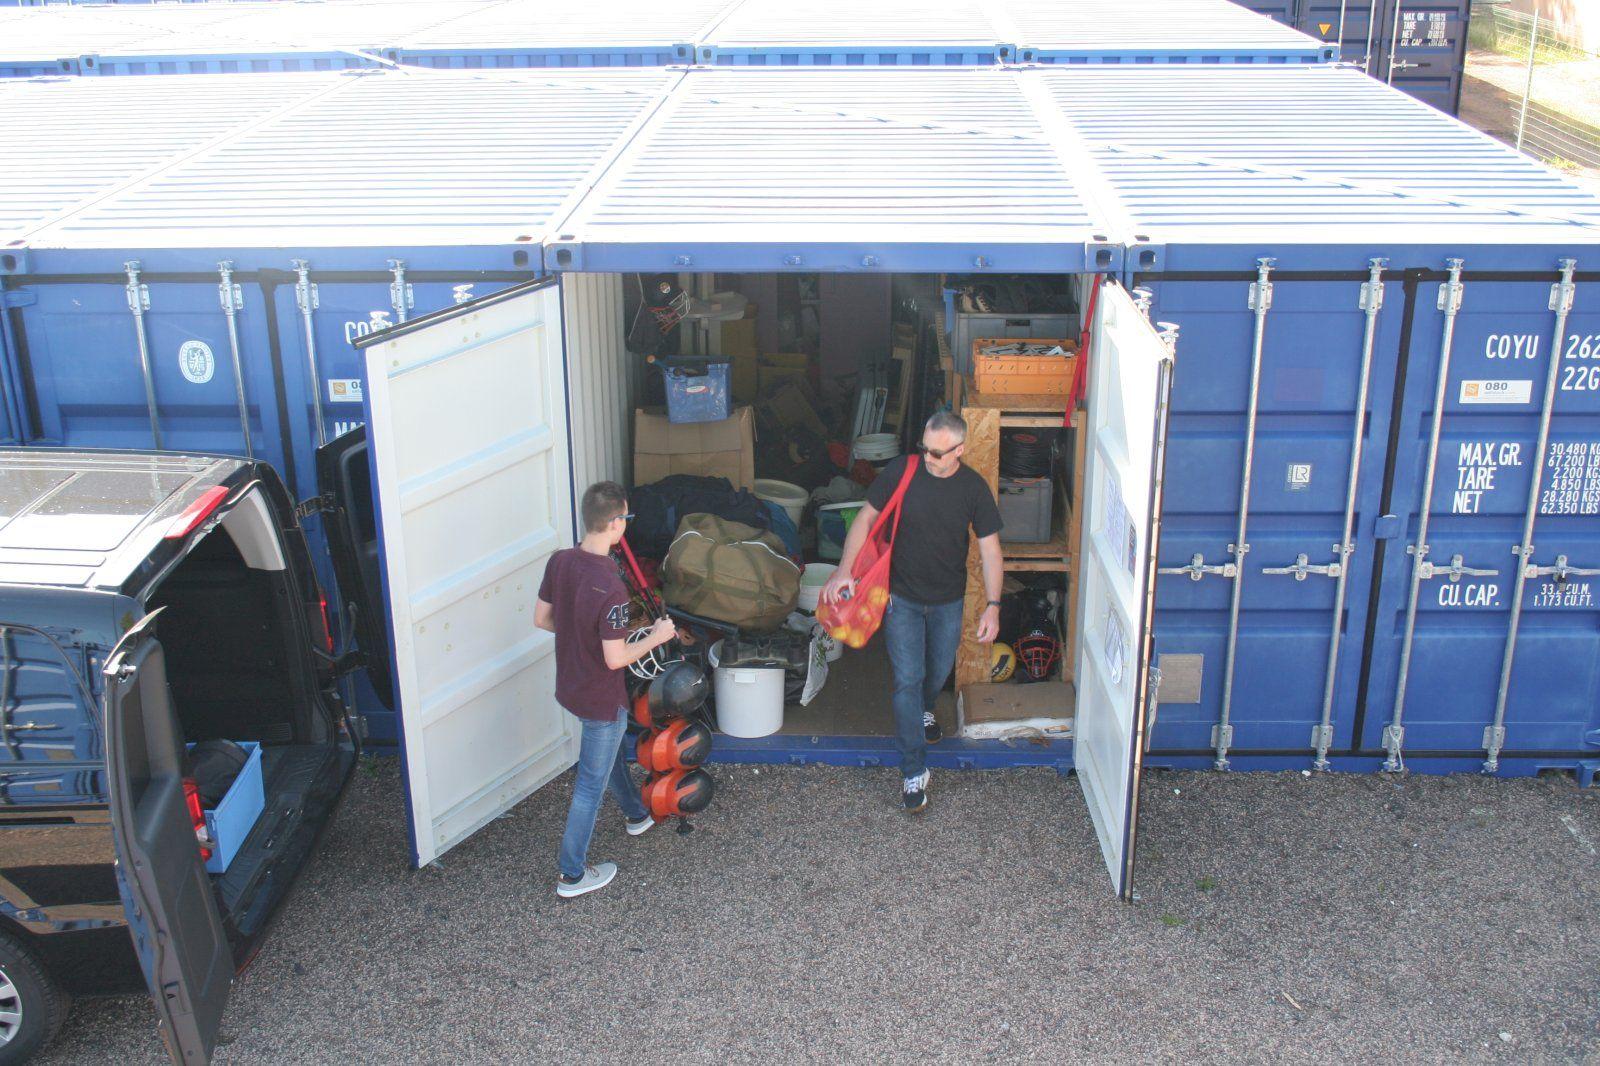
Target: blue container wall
column 1307, row 412
column 507, row 58
column 1502, row 353
column 854, row 57
column 79, row 382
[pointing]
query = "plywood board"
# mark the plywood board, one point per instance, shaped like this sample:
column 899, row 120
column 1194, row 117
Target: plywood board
column 1010, row 702
column 983, row 455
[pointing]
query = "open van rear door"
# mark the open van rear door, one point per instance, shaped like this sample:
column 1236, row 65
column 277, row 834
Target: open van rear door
column 468, row 427
column 349, row 522
column 172, row 914
column 1130, row 381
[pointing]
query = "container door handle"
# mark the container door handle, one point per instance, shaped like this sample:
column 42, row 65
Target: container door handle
column 1302, row 566
column 1199, row 568
column 1429, row 569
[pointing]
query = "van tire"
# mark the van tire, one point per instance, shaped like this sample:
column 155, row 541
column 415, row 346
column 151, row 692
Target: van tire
column 44, row 1002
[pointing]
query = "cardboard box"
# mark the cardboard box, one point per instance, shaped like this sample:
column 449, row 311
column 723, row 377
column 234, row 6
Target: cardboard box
column 792, row 360
column 745, row 377
column 708, row 449
column 739, row 337
column 772, row 378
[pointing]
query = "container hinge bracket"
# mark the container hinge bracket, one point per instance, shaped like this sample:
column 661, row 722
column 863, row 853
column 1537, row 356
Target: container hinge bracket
column 1303, row 566
column 1222, row 736
column 1199, row 568
column 1386, row 527
column 1455, row 571
column 230, row 295
column 1494, row 737
column 1561, row 294
column 1561, row 571
column 1321, row 737
column 138, row 294
column 1371, row 296
column 1260, row 295
column 306, row 299
column 21, row 298
column 1450, row 296
column 315, row 505
column 1142, row 298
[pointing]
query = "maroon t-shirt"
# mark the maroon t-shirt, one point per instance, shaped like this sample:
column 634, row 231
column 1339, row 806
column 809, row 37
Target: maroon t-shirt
column 591, row 605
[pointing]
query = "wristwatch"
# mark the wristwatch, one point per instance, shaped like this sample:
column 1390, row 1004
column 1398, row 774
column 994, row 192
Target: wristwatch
column 994, row 603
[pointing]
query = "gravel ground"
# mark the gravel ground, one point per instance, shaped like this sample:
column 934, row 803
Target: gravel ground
column 1281, row 917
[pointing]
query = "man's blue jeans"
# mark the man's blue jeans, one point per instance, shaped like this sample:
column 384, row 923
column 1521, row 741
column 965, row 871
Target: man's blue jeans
column 602, row 764
column 923, row 641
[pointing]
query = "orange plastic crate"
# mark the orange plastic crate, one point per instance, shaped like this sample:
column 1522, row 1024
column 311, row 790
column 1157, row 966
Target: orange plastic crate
column 1000, row 368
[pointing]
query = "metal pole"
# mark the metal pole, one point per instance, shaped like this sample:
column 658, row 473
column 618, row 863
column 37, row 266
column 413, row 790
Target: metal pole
column 1372, row 26
column 305, row 297
column 1561, row 295
column 1394, row 42
column 1341, row 28
column 232, row 300
column 399, row 292
column 1527, row 86
column 1450, row 303
column 139, row 303
column 1371, row 302
column 1260, row 302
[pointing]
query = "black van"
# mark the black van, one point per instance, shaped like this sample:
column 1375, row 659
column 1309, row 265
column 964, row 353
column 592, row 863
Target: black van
column 147, row 601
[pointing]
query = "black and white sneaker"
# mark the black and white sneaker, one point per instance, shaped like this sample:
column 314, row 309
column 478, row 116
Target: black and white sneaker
column 914, row 792
column 930, row 728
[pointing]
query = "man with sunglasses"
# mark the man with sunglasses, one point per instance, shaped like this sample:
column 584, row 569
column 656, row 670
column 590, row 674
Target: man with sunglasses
column 583, row 601
column 927, row 582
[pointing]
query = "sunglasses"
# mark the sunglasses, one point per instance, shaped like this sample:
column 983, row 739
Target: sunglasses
column 629, row 517
column 937, row 453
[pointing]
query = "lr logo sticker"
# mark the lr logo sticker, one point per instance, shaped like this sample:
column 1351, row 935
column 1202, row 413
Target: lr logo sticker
column 1299, row 477
column 196, row 361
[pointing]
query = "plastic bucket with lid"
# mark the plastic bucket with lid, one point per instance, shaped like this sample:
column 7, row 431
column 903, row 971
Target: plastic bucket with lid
column 792, row 498
column 816, row 575
column 749, row 698
column 877, row 447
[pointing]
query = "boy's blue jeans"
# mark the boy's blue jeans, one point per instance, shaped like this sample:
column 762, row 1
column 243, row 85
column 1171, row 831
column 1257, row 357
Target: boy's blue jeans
column 602, row 764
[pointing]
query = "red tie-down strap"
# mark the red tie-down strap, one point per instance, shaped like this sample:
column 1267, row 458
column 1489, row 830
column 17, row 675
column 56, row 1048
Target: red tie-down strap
column 1080, row 373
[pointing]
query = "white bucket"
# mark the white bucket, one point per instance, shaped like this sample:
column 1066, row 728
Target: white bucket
column 749, row 700
column 792, row 498
column 877, row 447
column 811, row 582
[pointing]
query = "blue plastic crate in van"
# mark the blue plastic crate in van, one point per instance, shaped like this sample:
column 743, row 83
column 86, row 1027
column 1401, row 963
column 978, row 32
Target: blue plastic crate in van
column 697, row 397
column 231, row 820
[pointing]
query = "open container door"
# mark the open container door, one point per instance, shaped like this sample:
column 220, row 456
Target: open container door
column 468, row 432
column 172, row 913
column 1130, row 380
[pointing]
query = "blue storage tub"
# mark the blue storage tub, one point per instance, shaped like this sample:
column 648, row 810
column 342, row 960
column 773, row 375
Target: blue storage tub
column 697, row 397
column 230, row 822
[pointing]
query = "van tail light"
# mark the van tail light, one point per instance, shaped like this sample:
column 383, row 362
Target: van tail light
column 197, row 815
column 327, row 623
column 197, row 512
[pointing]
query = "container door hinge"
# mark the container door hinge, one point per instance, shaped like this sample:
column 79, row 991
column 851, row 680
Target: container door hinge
column 1321, row 737
column 1494, row 737
column 21, row 298
column 314, row 506
column 1386, row 527
column 1222, row 736
column 1199, row 568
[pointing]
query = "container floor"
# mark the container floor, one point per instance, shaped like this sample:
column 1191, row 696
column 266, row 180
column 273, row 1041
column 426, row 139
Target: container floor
column 856, row 700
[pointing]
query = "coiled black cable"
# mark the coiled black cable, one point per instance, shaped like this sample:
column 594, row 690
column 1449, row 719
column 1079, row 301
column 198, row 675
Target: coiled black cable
column 1027, row 453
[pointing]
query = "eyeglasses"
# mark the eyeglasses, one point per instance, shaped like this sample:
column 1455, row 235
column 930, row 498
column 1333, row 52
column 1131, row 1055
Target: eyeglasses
column 937, row 453
column 629, row 517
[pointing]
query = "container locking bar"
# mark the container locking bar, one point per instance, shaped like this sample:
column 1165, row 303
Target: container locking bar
column 1561, row 571
column 139, row 303
column 1428, row 570
column 231, row 295
column 1260, row 302
column 305, row 298
column 1450, row 295
column 401, row 297
column 1302, row 567
column 1561, row 299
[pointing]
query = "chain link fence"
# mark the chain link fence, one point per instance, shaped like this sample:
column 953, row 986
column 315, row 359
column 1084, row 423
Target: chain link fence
column 1552, row 81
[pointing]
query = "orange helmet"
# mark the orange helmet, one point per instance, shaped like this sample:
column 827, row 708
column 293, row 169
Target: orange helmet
column 681, row 745
column 678, row 792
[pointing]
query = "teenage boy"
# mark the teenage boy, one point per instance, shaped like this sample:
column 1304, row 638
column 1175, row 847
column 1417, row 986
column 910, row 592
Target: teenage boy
column 584, row 603
column 927, row 583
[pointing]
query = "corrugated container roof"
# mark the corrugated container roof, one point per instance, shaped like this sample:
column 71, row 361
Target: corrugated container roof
column 526, row 25
column 383, row 159
column 1044, row 168
column 84, row 137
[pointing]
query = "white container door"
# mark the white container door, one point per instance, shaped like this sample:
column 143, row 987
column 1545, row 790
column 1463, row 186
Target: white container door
column 1130, row 377
column 467, row 411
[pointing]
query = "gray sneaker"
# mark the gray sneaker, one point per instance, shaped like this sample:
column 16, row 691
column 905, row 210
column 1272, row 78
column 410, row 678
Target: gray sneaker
column 593, row 877
column 641, row 827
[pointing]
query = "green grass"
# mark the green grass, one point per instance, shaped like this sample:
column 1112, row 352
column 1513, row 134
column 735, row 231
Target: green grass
column 1171, row 921
column 1205, row 884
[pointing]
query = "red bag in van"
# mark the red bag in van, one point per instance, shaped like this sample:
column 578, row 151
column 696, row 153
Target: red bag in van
column 853, row 621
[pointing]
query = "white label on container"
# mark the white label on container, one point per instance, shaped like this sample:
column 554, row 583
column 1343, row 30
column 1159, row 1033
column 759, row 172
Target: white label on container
column 1496, row 391
column 344, row 390
column 196, row 361
column 1298, row 478
column 1116, row 644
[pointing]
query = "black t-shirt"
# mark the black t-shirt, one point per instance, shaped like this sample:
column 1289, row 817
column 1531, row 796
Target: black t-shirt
column 929, row 564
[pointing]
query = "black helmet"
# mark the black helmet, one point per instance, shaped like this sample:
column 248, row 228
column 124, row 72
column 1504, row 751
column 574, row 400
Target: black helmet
column 214, row 765
column 680, row 691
